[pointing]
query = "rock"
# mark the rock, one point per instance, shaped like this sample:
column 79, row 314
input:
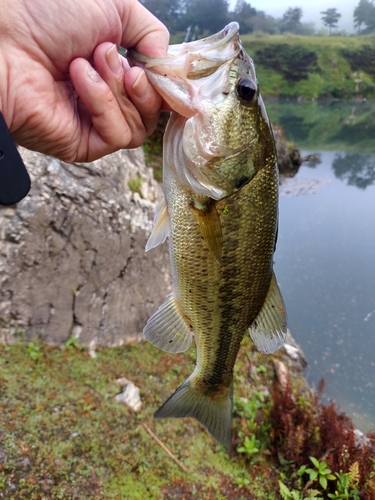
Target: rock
column 295, row 352
column 72, row 259
column 361, row 439
column 282, row 373
column 122, row 381
column 288, row 156
column 130, row 396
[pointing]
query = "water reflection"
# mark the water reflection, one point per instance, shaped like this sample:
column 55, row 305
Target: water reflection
column 325, row 259
column 344, row 126
column 357, row 169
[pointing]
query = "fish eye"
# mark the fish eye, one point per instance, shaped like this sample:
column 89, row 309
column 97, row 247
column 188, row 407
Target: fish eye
column 246, row 89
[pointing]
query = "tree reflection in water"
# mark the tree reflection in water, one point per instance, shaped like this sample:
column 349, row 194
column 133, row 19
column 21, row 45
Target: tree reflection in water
column 357, row 169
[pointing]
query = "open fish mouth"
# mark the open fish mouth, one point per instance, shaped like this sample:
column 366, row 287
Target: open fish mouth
column 204, row 55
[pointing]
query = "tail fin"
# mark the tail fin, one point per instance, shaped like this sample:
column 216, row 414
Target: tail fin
column 213, row 411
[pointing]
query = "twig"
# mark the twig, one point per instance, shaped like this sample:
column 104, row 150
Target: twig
column 180, row 464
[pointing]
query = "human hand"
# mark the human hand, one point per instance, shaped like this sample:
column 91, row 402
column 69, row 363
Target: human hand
column 64, row 90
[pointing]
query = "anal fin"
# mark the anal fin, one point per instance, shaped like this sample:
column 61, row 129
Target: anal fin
column 268, row 330
column 167, row 329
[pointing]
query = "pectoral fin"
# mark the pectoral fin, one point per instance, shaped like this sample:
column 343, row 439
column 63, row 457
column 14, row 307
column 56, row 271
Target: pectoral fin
column 268, row 330
column 208, row 219
column 168, row 329
column 160, row 231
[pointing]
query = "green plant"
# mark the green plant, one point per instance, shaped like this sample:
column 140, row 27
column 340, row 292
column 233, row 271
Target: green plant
column 288, row 494
column 72, row 343
column 135, row 184
column 249, row 409
column 34, row 350
column 347, row 484
column 321, row 472
column 250, row 446
column 242, row 481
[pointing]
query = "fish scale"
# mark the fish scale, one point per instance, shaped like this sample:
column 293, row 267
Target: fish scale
column 220, row 183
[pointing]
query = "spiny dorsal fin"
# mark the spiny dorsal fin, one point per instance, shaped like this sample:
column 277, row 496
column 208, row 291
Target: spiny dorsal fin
column 168, row 329
column 160, row 231
column 209, row 223
column 268, row 330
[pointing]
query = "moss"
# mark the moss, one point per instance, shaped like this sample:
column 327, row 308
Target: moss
column 135, row 184
column 63, row 435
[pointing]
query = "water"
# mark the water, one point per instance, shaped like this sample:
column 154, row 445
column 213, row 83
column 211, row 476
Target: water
column 325, row 257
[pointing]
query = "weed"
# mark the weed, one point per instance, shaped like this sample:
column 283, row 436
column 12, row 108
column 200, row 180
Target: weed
column 72, row 343
column 135, row 184
column 34, row 350
column 321, row 472
column 287, row 494
column 250, row 447
column 242, row 481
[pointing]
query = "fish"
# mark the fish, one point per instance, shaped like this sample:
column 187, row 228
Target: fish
column 220, row 214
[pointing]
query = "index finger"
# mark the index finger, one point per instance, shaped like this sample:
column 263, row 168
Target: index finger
column 143, row 31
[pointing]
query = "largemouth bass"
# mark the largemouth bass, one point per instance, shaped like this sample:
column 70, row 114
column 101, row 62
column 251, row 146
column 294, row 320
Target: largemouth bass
column 220, row 211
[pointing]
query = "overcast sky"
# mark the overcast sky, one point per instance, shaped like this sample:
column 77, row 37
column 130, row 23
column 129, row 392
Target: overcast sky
column 311, row 10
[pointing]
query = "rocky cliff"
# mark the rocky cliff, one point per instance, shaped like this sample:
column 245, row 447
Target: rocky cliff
column 72, row 259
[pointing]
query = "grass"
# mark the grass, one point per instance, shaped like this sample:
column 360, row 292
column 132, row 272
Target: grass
column 333, row 77
column 64, row 436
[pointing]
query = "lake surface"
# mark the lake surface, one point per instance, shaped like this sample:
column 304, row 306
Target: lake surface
column 325, row 257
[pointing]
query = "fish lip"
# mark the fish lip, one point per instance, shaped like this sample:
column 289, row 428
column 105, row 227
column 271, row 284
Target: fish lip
column 214, row 42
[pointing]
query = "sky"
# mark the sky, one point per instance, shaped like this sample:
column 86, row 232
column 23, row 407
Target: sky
column 311, row 10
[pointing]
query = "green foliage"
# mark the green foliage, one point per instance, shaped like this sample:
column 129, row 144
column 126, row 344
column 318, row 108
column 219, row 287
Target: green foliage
column 244, row 14
column 250, row 446
column 320, row 473
column 72, row 343
column 291, row 20
column 242, row 481
column 330, row 18
column 364, row 14
column 345, row 487
column 287, row 494
column 135, row 184
column 168, row 11
column 293, row 62
column 312, row 67
column 362, row 59
column 34, row 350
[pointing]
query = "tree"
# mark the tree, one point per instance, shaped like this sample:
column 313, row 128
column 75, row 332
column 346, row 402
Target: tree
column 364, row 13
column 210, row 15
column 291, row 20
column 330, row 18
column 243, row 13
column 265, row 23
column 168, row 12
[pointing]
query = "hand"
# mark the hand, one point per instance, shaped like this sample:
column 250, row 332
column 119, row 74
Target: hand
column 64, row 90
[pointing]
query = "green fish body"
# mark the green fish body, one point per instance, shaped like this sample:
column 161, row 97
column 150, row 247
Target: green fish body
column 220, row 206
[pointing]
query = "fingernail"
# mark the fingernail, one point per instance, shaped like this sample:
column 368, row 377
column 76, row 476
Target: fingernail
column 141, row 86
column 113, row 60
column 92, row 74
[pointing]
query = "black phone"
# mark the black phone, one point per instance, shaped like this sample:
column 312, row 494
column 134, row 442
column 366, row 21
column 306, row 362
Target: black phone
column 14, row 179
